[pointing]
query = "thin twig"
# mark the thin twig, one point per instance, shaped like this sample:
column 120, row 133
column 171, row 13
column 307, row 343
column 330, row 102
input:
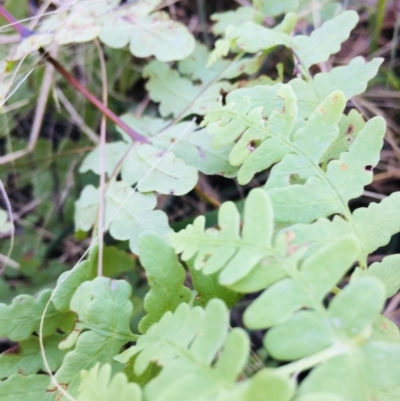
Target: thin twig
column 76, row 118
column 102, row 161
column 38, row 118
column 92, row 99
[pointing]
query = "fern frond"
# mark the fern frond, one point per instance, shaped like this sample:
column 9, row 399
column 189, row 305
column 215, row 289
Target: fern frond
column 29, row 311
column 166, row 277
column 186, row 344
column 127, row 213
column 372, row 227
column 98, row 384
column 231, row 250
column 26, row 358
column 147, row 31
column 103, row 308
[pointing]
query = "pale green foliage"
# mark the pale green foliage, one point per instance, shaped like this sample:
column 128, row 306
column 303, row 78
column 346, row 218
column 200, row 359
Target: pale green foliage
column 178, row 96
column 114, row 260
column 195, row 149
column 288, row 295
column 195, row 66
column 269, row 384
column 300, row 151
column 372, row 366
column 323, row 42
column 103, row 309
column 169, row 175
column 386, row 271
column 127, row 212
column 20, row 388
column 350, row 79
column 276, row 7
column 234, row 18
column 237, row 251
column 185, row 343
column 99, row 385
column 185, row 140
column 26, row 359
column 309, row 50
column 165, row 276
column 146, row 31
column 293, row 246
column 152, row 33
column 29, row 311
column 373, row 226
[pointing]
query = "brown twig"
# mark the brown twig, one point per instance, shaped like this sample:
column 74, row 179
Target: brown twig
column 24, row 32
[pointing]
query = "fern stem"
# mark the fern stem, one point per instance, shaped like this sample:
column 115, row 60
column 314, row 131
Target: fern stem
column 311, row 361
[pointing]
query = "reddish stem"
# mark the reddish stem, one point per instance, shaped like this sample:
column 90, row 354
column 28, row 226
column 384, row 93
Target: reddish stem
column 92, row 99
column 24, row 32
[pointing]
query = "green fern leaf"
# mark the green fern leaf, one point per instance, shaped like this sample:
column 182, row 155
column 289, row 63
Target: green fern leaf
column 269, row 384
column 234, row 18
column 349, row 127
column 168, row 174
column 351, row 376
column 324, row 41
column 377, row 223
column 29, row 311
column 115, row 262
column 185, row 343
column 166, row 277
column 385, row 330
column 386, row 272
column 146, row 31
column 103, row 308
column 344, row 180
column 177, row 332
column 262, row 145
column 86, row 208
column 20, row 388
column 196, row 150
column 149, row 35
column 228, row 249
column 351, row 79
column 274, row 8
column 68, row 282
column 381, row 395
column 277, row 303
column 127, row 213
column 309, row 50
column 252, row 38
column 264, row 96
column 178, row 96
column 195, row 66
column 184, row 140
column 163, row 172
column 372, row 227
column 25, row 358
column 97, row 384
